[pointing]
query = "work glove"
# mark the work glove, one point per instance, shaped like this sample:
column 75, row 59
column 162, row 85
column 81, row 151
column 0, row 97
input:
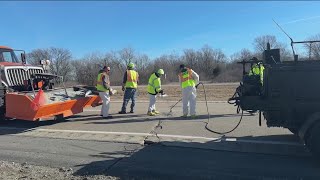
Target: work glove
column 110, row 91
column 161, row 92
column 197, row 85
column 123, row 88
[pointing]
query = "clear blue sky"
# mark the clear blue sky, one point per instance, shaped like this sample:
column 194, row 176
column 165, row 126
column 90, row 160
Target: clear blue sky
column 153, row 28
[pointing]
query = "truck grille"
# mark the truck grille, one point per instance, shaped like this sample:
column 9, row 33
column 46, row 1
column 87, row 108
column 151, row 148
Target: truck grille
column 17, row 76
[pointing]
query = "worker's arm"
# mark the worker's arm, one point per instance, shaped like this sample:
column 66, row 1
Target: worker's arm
column 156, row 83
column 179, row 81
column 195, row 77
column 137, row 78
column 124, row 78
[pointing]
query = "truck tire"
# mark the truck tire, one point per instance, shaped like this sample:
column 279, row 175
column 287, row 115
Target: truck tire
column 60, row 118
column 2, row 103
column 312, row 139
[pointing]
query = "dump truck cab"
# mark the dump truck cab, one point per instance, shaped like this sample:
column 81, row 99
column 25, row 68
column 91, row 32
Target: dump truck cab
column 7, row 55
column 14, row 71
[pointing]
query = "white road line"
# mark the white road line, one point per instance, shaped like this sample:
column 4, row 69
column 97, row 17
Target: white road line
column 159, row 135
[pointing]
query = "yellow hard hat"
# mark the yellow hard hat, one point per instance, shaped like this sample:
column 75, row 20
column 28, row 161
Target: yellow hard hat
column 160, row 71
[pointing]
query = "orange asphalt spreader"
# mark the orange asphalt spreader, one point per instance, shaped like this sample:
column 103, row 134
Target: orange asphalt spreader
column 44, row 104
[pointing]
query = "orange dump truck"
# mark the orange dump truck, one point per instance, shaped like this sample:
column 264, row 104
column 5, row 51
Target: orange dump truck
column 21, row 83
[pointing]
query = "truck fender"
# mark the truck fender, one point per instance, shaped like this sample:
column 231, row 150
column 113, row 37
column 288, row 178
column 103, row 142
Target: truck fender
column 315, row 117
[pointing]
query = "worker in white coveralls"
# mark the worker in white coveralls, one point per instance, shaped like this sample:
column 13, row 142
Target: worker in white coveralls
column 154, row 88
column 103, row 86
column 189, row 80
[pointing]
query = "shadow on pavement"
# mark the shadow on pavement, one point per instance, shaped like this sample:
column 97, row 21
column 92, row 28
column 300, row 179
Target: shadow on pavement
column 97, row 117
column 18, row 126
column 185, row 160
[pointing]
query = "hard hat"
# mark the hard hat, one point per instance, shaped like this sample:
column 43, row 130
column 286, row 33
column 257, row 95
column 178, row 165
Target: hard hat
column 160, row 71
column 131, row 65
column 48, row 62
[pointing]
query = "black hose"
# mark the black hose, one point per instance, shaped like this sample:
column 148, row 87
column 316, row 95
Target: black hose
column 174, row 105
column 206, row 126
column 226, row 132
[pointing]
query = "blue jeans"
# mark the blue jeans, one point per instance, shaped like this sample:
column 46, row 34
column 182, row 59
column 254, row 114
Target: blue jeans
column 129, row 94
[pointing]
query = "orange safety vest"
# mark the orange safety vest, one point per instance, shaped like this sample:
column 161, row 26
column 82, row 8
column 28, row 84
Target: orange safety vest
column 186, row 78
column 132, row 79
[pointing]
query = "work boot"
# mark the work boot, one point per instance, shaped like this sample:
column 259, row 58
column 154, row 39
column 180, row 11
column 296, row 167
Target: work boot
column 184, row 116
column 156, row 112
column 122, row 112
column 151, row 113
column 131, row 111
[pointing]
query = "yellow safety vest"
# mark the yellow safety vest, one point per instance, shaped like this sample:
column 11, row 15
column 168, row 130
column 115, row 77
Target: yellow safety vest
column 186, row 79
column 257, row 70
column 132, row 79
column 100, row 86
column 154, row 84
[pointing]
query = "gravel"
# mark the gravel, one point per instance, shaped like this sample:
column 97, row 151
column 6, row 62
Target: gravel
column 25, row 171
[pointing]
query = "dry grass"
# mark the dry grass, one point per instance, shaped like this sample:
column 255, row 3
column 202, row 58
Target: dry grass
column 214, row 91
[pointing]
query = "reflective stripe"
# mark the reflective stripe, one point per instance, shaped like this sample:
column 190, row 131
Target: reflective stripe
column 132, row 79
column 186, row 79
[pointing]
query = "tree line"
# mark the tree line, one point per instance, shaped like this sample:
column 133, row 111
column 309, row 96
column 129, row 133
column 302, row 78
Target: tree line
column 211, row 64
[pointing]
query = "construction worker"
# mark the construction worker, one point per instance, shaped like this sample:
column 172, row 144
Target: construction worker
column 103, row 86
column 257, row 69
column 189, row 81
column 130, row 85
column 154, row 87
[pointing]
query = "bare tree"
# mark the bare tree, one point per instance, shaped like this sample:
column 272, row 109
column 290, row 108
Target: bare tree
column 190, row 57
column 314, row 48
column 126, row 55
column 260, row 44
column 210, row 61
column 35, row 56
column 60, row 60
column 170, row 64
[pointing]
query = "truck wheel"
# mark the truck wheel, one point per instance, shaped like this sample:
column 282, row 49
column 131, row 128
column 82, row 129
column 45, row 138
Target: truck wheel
column 59, row 118
column 2, row 103
column 312, row 140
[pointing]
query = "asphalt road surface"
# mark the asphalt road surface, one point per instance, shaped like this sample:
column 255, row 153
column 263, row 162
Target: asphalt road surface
column 163, row 147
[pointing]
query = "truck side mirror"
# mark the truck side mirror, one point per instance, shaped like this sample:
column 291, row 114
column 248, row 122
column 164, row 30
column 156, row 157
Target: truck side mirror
column 23, row 58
